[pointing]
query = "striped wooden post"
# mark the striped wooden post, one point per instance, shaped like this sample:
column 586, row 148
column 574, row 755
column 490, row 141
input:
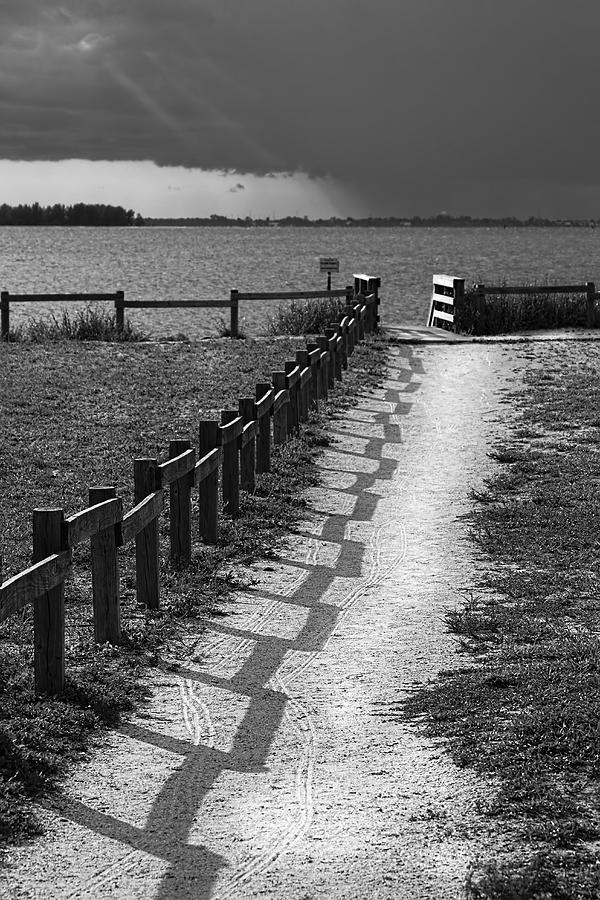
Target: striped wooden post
column 4, row 315
column 208, row 490
column 105, row 575
column 248, row 450
column 49, row 608
column 180, row 509
column 263, row 441
column 147, row 546
column 280, row 418
column 231, row 467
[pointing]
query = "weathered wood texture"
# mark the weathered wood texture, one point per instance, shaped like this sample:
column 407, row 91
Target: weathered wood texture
column 178, row 466
column 105, row 571
column 24, row 588
column 208, row 487
column 144, row 512
column 147, row 547
column 280, row 408
column 83, row 525
column 231, row 429
column 180, row 477
column 264, row 405
column 248, row 447
column 49, row 607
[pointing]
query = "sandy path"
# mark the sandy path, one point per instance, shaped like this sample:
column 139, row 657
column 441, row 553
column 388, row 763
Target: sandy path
column 270, row 764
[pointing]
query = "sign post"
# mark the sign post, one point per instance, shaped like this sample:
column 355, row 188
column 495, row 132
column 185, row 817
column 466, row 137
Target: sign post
column 329, row 264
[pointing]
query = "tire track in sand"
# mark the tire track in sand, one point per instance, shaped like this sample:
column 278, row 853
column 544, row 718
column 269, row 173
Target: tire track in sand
column 295, row 664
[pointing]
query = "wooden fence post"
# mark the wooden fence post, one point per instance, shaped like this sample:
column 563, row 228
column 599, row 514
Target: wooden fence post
column 315, row 381
column 263, row 441
column 293, row 412
column 350, row 330
column 234, row 327
column 105, row 575
column 335, row 331
column 147, row 546
column 208, row 490
column 344, row 333
column 120, row 310
column 330, row 334
column 231, row 468
column 324, row 367
column 180, row 509
column 359, row 316
column 4, row 315
column 280, row 419
column 591, row 304
column 302, row 362
column 376, row 316
column 248, row 450
column 49, row 608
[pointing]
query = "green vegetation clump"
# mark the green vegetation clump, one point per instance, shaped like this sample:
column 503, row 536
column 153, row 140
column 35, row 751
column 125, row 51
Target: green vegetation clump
column 307, row 316
column 503, row 314
column 88, row 324
column 526, row 713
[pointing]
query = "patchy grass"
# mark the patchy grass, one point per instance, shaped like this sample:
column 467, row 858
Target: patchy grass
column 76, row 415
column 88, row 324
column 307, row 316
column 526, row 712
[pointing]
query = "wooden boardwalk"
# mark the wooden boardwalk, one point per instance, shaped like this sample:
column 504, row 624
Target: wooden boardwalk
column 409, row 334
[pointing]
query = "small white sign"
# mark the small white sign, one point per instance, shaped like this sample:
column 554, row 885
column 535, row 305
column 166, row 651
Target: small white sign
column 329, row 264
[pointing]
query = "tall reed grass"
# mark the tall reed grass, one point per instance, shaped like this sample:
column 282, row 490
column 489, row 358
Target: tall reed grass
column 503, row 314
column 306, row 316
column 88, row 324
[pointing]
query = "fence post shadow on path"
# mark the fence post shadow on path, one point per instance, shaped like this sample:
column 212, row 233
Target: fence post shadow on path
column 176, row 806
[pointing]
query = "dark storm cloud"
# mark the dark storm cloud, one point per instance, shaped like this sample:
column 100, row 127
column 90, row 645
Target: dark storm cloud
column 411, row 102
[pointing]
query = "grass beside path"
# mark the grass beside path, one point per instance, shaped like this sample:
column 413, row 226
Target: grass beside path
column 76, row 415
column 526, row 711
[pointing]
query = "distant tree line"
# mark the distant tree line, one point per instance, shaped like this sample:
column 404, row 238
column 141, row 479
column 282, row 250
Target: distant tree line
column 59, row 214
column 441, row 220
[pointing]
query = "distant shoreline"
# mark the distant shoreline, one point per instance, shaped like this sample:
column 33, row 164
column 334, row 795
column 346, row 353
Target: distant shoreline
column 389, row 222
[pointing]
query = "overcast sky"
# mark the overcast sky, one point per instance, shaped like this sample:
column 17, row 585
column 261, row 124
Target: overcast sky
column 405, row 107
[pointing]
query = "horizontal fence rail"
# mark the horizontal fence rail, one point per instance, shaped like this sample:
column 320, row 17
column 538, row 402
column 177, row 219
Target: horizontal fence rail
column 228, row 455
column 364, row 285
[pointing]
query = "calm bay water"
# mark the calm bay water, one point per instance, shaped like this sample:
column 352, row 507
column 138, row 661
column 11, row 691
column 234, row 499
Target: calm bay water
column 201, row 263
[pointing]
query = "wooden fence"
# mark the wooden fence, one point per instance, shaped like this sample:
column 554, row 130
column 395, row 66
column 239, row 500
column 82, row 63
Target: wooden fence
column 236, row 448
column 363, row 284
column 449, row 293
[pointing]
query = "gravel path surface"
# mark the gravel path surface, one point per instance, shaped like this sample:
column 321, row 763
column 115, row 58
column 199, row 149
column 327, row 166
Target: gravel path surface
column 271, row 763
